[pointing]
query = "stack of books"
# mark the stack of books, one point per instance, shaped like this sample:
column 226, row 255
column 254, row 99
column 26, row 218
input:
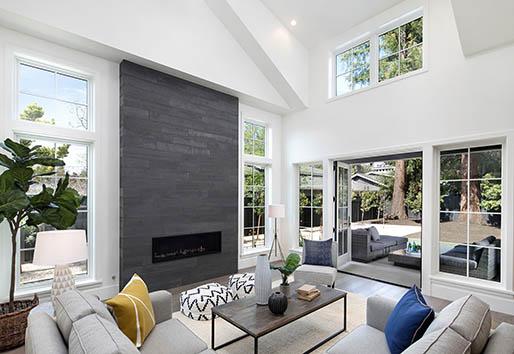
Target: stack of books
column 307, row 292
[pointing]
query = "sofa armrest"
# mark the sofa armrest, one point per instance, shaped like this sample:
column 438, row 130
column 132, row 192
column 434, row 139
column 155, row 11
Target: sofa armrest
column 162, row 305
column 501, row 340
column 42, row 335
column 378, row 309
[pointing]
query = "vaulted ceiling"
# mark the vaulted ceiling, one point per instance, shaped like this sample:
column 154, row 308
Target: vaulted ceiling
column 318, row 20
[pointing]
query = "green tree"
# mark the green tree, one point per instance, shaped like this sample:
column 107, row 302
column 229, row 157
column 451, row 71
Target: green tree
column 34, row 113
column 414, row 185
column 369, row 200
column 491, row 195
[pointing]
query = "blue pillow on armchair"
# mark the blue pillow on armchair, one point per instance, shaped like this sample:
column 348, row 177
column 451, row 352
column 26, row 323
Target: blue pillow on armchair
column 408, row 321
column 318, row 252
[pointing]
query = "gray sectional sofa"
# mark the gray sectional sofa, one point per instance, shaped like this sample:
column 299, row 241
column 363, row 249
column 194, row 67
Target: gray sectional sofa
column 83, row 326
column 365, row 249
column 464, row 326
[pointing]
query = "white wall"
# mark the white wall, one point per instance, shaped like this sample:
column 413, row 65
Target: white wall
column 183, row 35
column 104, row 280
column 274, row 124
column 455, row 97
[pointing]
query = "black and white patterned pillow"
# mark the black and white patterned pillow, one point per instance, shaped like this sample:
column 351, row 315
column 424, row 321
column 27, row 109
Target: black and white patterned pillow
column 197, row 303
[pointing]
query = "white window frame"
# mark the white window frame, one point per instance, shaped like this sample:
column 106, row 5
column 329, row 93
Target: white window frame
column 18, row 127
column 372, row 36
column 503, row 249
column 265, row 162
column 297, row 202
column 355, row 43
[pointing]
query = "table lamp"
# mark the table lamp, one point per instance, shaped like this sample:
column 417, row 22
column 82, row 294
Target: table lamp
column 60, row 248
column 276, row 211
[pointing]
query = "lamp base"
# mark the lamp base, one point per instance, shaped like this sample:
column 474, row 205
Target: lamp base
column 63, row 281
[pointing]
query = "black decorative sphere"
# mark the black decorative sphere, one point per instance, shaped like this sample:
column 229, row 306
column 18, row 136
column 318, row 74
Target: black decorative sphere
column 277, row 303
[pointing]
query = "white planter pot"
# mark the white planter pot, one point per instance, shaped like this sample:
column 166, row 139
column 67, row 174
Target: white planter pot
column 262, row 280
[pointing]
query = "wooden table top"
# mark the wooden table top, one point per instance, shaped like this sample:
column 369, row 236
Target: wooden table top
column 258, row 320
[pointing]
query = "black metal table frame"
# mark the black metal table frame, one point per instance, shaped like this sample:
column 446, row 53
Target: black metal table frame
column 256, row 338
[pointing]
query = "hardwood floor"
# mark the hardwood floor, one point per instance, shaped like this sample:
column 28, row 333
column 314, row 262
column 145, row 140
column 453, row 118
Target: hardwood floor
column 351, row 283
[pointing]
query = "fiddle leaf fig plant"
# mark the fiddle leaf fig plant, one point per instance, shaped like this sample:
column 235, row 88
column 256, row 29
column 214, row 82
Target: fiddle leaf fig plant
column 292, row 262
column 18, row 207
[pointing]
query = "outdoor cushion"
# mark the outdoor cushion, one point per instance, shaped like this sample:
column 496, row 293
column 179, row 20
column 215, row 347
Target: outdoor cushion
column 408, row 321
column 486, row 241
column 313, row 274
column 94, row 334
column 133, row 310
column 457, row 262
column 363, row 339
column 443, row 341
column 394, row 239
column 468, row 316
column 360, row 232
column 172, row 337
column 373, row 232
column 461, row 251
column 73, row 305
column 318, row 252
column 376, row 246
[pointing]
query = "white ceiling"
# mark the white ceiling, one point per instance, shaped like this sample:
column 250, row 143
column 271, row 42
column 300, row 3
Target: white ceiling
column 318, row 20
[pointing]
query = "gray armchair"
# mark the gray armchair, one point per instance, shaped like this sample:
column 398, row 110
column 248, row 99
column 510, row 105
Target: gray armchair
column 318, row 275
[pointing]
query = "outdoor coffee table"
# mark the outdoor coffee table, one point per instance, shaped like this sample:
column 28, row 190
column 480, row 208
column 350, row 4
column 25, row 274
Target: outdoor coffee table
column 405, row 259
column 257, row 321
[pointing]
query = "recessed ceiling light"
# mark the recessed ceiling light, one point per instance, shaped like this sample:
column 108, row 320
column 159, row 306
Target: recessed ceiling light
column 293, row 22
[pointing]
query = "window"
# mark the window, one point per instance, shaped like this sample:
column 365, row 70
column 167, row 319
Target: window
column 256, row 169
column 401, row 50
column 47, row 96
column 470, row 234
column 394, row 51
column 310, row 202
column 56, row 98
column 352, row 69
column 254, row 234
column 254, row 139
column 75, row 157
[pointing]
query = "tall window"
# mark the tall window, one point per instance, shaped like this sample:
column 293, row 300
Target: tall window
column 471, row 212
column 49, row 96
column 352, row 69
column 401, row 50
column 256, row 166
column 310, row 202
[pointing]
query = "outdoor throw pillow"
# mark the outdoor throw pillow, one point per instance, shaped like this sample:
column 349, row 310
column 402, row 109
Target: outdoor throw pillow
column 373, row 232
column 408, row 321
column 134, row 311
column 318, row 252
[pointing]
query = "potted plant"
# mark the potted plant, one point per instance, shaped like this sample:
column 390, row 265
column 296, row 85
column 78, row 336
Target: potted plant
column 292, row 262
column 57, row 208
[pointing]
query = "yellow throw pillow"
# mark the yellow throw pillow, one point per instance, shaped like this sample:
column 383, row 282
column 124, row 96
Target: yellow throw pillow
column 134, row 311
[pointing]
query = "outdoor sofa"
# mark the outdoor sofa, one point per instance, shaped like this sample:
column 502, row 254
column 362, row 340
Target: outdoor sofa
column 364, row 249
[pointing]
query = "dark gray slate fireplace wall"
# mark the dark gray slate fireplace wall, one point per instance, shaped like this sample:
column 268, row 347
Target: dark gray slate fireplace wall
column 179, row 174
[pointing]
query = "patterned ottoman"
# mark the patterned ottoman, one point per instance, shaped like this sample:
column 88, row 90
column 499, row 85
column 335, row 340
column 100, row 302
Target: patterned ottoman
column 241, row 285
column 197, row 303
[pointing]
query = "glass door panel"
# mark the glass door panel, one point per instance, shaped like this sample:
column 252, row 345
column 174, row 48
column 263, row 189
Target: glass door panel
column 343, row 211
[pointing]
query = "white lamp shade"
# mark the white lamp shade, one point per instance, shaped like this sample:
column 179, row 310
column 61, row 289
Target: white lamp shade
column 276, row 211
column 60, row 247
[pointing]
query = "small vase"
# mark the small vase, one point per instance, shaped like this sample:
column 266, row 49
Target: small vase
column 262, row 280
column 277, row 303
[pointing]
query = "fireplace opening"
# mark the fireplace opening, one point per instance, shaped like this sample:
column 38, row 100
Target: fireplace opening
column 170, row 248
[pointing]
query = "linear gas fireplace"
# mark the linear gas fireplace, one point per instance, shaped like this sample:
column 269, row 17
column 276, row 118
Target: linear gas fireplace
column 170, row 248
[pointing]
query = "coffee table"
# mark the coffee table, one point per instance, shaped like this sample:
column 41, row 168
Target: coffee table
column 405, row 259
column 257, row 321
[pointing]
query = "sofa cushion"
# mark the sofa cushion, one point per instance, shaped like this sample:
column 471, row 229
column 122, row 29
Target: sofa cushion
column 172, row 337
column 94, row 334
column 376, row 246
column 408, row 321
column 394, row 240
column 485, row 241
column 360, row 232
column 468, row 316
column 443, row 341
column 133, row 310
column 43, row 335
column 501, row 340
column 374, row 234
column 363, row 339
column 312, row 274
column 73, row 305
column 318, row 252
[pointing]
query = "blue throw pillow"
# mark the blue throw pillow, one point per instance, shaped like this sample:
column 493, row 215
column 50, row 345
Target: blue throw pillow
column 318, row 252
column 408, row 321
